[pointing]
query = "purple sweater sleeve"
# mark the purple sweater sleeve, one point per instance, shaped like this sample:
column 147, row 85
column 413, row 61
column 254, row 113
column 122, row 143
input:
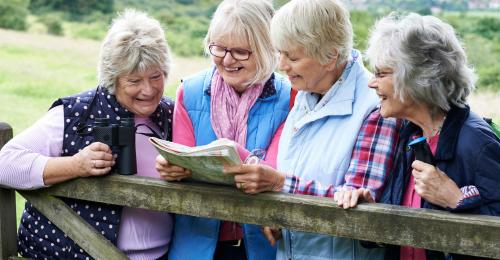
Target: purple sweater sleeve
column 23, row 158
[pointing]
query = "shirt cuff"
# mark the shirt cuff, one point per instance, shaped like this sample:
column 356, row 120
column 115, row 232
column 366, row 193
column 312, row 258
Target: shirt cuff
column 289, row 184
column 36, row 172
column 470, row 198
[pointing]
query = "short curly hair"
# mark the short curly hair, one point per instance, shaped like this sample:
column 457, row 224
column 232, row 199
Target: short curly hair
column 428, row 60
column 134, row 42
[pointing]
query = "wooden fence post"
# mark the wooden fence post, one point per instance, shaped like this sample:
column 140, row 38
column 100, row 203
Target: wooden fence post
column 8, row 246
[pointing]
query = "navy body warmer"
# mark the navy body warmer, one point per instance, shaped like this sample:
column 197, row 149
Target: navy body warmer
column 38, row 238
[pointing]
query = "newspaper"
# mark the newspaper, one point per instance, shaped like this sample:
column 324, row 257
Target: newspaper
column 205, row 162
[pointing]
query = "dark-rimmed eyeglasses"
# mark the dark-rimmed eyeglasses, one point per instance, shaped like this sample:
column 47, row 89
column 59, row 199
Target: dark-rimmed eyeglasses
column 237, row 53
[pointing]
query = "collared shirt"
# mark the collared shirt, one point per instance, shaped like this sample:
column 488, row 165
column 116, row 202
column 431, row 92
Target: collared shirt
column 370, row 164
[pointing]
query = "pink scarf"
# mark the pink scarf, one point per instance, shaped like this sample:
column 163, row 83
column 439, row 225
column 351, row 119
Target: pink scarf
column 229, row 111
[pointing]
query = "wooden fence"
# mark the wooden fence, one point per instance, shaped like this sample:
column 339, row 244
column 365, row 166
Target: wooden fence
column 454, row 233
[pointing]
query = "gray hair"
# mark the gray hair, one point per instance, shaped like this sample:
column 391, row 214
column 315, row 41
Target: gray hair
column 320, row 27
column 246, row 19
column 135, row 42
column 429, row 62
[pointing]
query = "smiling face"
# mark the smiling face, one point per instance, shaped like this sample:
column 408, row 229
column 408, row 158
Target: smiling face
column 238, row 74
column 390, row 104
column 140, row 92
column 306, row 73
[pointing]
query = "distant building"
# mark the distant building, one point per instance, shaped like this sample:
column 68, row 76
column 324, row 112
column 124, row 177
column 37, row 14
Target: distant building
column 495, row 4
column 437, row 6
column 484, row 4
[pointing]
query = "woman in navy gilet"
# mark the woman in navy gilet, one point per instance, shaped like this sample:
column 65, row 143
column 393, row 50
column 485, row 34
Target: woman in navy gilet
column 133, row 65
column 422, row 76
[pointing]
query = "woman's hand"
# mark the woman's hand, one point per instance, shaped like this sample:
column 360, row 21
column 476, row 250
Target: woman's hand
column 256, row 178
column 350, row 198
column 94, row 160
column 170, row 172
column 434, row 186
column 272, row 234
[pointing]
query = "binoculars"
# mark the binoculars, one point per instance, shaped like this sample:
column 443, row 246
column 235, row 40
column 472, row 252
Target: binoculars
column 120, row 138
column 422, row 150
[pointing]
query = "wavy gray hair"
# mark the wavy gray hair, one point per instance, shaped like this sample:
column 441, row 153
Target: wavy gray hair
column 429, row 62
column 320, row 27
column 135, row 42
column 246, row 19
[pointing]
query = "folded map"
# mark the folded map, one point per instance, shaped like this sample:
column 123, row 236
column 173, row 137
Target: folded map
column 205, row 162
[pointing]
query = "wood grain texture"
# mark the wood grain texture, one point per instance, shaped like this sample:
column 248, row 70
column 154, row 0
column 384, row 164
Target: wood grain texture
column 8, row 245
column 73, row 225
column 432, row 229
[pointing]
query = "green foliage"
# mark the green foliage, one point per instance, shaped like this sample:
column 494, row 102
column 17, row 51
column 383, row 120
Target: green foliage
column 13, row 14
column 361, row 23
column 489, row 28
column 93, row 31
column 489, row 78
column 185, row 2
column 53, row 24
column 75, row 8
column 481, row 36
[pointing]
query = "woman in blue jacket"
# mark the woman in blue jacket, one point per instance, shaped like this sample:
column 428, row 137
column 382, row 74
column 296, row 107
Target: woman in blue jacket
column 422, row 76
column 240, row 99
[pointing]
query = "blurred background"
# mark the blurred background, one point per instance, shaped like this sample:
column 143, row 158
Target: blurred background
column 49, row 48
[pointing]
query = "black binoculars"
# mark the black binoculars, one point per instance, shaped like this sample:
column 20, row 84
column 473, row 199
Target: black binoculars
column 120, row 138
column 422, row 150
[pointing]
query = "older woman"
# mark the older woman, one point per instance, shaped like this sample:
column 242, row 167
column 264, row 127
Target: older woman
column 134, row 63
column 422, row 76
column 240, row 99
column 333, row 137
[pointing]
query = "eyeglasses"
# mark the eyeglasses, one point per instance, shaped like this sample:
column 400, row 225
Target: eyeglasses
column 237, row 53
column 382, row 74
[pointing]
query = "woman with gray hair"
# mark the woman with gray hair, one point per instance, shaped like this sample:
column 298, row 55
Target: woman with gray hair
column 133, row 66
column 240, row 98
column 422, row 76
column 334, row 137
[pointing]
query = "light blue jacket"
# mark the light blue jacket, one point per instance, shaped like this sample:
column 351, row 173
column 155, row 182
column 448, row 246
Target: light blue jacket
column 316, row 144
column 196, row 237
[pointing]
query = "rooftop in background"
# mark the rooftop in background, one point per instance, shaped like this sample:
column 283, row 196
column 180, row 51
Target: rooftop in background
column 417, row 5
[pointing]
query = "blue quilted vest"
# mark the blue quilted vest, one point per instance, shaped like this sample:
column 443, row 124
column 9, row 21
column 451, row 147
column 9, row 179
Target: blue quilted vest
column 196, row 237
column 38, row 238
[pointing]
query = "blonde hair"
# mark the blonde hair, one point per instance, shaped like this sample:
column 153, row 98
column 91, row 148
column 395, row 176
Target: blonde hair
column 320, row 27
column 250, row 20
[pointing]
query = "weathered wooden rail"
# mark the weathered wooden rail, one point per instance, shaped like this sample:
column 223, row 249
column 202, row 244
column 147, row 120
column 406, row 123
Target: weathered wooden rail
column 454, row 233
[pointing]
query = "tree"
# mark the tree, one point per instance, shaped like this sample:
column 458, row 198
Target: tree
column 76, row 8
column 13, row 14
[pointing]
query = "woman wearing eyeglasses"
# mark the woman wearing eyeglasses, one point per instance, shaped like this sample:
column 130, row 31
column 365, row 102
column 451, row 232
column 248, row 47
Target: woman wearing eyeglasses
column 240, row 99
column 423, row 77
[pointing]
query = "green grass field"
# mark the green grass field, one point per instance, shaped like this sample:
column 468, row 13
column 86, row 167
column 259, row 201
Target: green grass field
column 36, row 69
